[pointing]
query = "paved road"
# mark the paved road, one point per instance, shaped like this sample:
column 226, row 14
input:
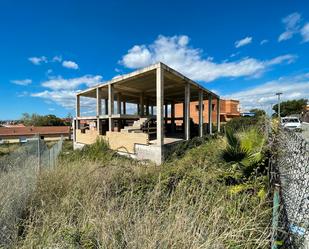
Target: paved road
column 305, row 130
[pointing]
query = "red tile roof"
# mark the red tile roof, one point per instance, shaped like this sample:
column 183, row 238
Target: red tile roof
column 33, row 130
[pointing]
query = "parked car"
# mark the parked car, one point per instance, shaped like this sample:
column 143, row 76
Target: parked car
column 292, row 123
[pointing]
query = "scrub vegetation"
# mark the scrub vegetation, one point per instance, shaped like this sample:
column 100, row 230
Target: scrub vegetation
column 212, row 195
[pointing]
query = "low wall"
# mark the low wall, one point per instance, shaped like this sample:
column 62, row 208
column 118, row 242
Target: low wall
column 125, row 142
column 89, row 137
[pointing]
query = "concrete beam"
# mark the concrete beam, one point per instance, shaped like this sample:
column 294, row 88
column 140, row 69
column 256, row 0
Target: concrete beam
column 200, row 113
column 160, row 101
column 187, row 111
column 209, row 114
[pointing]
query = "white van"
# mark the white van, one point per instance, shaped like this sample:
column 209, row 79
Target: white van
column 292, row 123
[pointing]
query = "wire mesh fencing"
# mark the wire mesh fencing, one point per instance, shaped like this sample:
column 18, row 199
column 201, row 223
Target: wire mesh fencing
column 290, row 169
column 18, row 175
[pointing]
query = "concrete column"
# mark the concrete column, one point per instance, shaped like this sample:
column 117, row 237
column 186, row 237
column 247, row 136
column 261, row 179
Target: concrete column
column 184, row 114
column 165, row 114
column 210, row 114
column 110, row 106
column 147, row 107
column 173, row 116
column 98, row 102
column 160, row 101
column 98, row 110
column 200, row 113
column 218, row 114
column 141, row 102
column 187, row 111
column 118, row 103
column 124, row 110
column 106, row 106
column 74, row 129
column 77, row 106
column 77, row 111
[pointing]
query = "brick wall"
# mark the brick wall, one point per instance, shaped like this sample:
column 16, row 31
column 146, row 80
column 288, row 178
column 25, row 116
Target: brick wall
column 228, row 109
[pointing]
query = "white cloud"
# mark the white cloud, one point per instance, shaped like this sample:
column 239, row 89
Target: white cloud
column 176, row 52
column 65, row 98
column 291, row 23
column 24, row 82
column 60, row 83
column 38, row 60
column 263, row 42
column 138, row 56
column 305, row 32
column 57, row 58
column 263, row 96
column 63, row 91
column 70, row 64
column 243, row 42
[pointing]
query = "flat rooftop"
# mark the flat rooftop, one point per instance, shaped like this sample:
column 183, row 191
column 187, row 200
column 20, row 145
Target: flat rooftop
column 143, row 81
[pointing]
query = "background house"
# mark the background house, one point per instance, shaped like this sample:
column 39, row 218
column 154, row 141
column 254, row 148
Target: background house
column 21, row 134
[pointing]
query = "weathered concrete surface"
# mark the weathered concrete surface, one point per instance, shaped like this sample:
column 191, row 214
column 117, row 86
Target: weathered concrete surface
column 149, row 152
column 78, row 146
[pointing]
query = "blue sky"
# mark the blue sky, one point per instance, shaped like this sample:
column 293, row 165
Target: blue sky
column 240, row 49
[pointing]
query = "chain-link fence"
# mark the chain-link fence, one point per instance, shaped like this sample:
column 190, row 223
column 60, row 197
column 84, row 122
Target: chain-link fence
column 290, row 171
column 18, row 174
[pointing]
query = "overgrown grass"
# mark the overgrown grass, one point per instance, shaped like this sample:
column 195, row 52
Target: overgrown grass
column 96, row 199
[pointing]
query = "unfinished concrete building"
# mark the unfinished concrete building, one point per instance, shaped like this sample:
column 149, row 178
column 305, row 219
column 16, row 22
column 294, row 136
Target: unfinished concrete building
column 135, row 113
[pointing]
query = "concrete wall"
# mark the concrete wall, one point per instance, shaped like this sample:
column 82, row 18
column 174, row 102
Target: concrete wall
column 125, row 141
column 89, row 137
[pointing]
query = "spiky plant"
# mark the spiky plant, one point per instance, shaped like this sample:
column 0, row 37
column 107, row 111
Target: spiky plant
column 244, row 150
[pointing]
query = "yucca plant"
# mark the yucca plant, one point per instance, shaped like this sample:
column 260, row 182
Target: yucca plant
column 244, row 150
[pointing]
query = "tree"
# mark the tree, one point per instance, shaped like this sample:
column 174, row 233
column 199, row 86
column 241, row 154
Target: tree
column 291, row 107
column 258, row 112
column 41, row 120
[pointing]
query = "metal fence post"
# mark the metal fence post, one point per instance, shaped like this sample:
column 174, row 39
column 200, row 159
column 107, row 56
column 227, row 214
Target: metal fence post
column 39, row 153
column 275, row 219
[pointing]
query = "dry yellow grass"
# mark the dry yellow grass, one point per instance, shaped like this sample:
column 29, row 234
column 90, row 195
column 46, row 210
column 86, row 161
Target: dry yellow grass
column 104, row 201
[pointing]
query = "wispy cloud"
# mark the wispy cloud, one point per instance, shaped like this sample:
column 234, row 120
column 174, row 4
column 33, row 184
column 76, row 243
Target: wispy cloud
column 263, row 96
column 176, row 52
column 57, row 58
column 38, row 60
column 263, row 42
column 63, row 91
column 305, row 32
column 24, row 82
column 243, row 42
column 293, row 26
column 60, row 83
column 70, row 64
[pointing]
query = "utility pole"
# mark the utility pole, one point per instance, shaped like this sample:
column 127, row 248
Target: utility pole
column 279, row 114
